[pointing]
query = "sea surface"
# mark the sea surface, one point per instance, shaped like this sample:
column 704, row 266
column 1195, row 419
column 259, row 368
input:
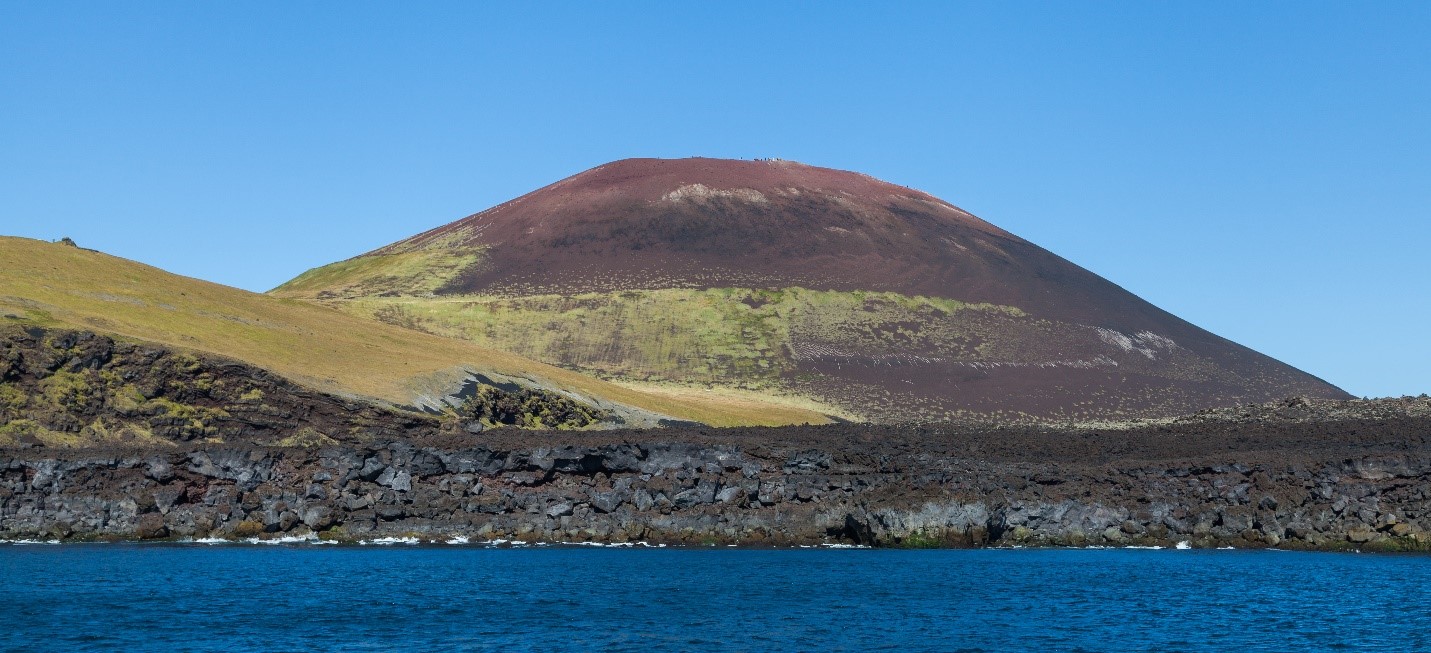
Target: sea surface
column 116, row 597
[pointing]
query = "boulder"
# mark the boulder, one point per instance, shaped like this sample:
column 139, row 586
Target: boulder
column 151, row 527
column 167, row 497
column 643, row 500
column 808, row 462
column 1360, row 535
column 563, row 509
column 390, row 513
column 317, row 517
column 159, row 469
column 606, row 501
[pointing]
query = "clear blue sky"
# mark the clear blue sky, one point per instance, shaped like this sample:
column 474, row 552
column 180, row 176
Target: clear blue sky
column 1261, row 169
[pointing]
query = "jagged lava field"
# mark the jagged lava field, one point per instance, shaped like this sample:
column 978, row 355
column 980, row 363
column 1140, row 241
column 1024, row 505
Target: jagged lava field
column 830, row 290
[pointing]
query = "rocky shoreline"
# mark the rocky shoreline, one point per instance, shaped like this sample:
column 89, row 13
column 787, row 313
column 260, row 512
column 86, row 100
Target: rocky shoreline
column 1246, row 479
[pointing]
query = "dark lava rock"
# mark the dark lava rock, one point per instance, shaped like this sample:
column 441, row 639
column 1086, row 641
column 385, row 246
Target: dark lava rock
column 1312, row 484
column 151, row 527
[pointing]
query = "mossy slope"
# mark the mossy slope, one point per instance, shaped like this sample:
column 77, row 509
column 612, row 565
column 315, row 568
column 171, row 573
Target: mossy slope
column 863, row 355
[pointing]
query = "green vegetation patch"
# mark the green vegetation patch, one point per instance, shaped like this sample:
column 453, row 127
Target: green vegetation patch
column 740, row 337
column 306, row 438
column 70, row 389
column 529, row 409
column 418, row 272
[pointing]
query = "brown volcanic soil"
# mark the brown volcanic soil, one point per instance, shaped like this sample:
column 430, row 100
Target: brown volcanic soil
column 703, row 223
column 1285, row 431
column 644, row 224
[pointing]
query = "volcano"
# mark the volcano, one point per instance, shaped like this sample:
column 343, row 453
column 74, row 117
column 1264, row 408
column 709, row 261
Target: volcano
column 826, row 288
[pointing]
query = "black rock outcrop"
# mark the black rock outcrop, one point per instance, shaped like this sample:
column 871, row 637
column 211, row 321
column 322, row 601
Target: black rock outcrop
column 1246, row 479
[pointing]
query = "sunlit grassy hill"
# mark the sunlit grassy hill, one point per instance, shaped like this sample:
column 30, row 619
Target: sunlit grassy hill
column 53, row 284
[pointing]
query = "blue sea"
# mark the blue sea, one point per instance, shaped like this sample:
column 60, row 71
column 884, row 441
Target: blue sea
column 113, row 597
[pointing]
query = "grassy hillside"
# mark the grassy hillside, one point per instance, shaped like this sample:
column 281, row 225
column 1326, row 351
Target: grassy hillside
column 739, row 342
column 740, row 337
column 59, row 285
column 840, row 353
column 408, row 273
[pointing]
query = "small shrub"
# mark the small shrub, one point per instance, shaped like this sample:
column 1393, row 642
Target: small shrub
column 67, row 390
column 530, row 409
column 12, row 399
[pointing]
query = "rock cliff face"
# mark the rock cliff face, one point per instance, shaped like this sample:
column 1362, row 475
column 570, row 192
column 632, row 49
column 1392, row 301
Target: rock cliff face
column 61, row 387
column 70, row 388
column 1237, row 480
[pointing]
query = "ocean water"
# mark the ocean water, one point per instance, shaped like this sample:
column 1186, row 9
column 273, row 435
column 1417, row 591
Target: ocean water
column 112, row 597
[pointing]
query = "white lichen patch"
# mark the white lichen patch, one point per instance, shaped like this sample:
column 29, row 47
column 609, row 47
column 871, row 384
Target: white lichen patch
column 843, row 201
column 1146, row 343
column 702, row 193
column 938, row 205
column 954, row 244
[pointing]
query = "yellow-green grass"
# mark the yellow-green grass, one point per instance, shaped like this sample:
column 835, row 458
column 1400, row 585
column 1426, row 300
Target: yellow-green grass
column 739, row 338
column 408, row 273
column 753, row 399
column 58, row 285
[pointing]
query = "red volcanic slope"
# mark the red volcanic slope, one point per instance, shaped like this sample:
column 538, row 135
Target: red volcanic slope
column 656, row 223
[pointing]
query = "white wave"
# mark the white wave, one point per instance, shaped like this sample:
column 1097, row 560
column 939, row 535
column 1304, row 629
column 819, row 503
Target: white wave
column 460, row 539
column 837, row 545
column 1183, row 545
column 212, row 540
column 1149, row 548
column 389, row 541
column 286, row 539
column 28, row 542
